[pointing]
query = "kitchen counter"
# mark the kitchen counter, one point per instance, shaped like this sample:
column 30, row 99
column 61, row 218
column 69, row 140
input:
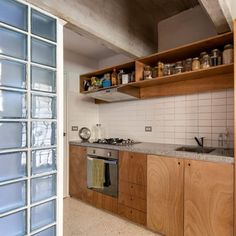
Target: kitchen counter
column 218, row 155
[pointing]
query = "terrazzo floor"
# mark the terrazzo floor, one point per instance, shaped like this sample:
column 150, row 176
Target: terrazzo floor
column 81, row 219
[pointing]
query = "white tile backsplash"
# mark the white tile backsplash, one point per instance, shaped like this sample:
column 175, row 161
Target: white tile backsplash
column 174, row 119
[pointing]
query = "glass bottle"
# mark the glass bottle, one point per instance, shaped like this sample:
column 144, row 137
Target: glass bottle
column 114, row 78
column 147, row 73
column 121, row 72
column 160, row 69
column 188, row 64
column 215, row 57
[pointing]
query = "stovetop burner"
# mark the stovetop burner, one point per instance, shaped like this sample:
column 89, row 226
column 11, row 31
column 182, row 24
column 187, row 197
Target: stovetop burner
column 116, row 141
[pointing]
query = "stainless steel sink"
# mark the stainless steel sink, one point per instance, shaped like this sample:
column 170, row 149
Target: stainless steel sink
column 195, row 149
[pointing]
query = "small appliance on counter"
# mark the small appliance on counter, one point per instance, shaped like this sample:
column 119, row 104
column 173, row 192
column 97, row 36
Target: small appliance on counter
column 84, row 134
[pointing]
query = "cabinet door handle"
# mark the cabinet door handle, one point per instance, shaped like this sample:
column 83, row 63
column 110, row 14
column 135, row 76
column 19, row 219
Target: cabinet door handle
column 131, row 186
column 189, row 164
column 179, row 163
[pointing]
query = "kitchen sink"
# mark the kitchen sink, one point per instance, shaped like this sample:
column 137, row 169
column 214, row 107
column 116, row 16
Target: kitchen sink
column 195, row 149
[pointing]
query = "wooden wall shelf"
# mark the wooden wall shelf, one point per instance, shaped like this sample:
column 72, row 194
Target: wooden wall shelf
column 213, row 78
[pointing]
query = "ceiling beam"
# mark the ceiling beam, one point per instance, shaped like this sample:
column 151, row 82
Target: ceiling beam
column 219, row 13
column 117, row 24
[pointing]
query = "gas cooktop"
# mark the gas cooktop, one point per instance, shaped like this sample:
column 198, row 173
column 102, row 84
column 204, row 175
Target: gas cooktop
column 116, row 141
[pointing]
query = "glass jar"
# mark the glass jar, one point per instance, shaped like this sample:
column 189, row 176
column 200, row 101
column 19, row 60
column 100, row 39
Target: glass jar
column 178, row 67
column 228, row 54
column 155, row 72
column 121, row 72
column 202, row 54
column 188, row 64
column 168, row 69
column 195, row 64
column 160, row 69
column 206, row 62
column 215, row 57
column 147, row 73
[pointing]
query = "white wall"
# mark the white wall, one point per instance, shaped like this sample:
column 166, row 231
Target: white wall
column 81, row 111
column 114, row 60
column 174, row 119
column 186, row 27
column 232, row 7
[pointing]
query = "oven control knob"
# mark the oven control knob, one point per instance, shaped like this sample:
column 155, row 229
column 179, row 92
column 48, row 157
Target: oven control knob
column 94, row 151
column 109, row 154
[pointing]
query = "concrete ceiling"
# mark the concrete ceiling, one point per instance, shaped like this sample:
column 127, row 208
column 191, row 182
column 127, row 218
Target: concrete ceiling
column 162, row 9
column 85, row 46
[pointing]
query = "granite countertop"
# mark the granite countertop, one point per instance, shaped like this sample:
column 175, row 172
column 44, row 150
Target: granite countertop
column 218, row 155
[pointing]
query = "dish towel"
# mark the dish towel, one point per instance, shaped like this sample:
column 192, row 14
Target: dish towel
column 107, row 182
column 98, row 173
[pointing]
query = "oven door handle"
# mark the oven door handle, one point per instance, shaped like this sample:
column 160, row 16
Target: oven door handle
column 110, row 162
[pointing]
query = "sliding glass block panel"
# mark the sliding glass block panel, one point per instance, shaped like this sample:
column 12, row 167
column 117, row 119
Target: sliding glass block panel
column 43, row 53
column 43, row 26
column 12, row 74
column 13, row 196
column 13, row 225
column 43, row 188
column 43, row 107
column 43, row 133
column 12, row 165
column 43, row 214
column 12, row 104
column 14, row 135
column 43, row 79
column 13, row 13
column 47, row 232
column 43, row 161
column 13, row 44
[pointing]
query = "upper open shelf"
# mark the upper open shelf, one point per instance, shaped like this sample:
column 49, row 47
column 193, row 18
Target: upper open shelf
column 213, row 78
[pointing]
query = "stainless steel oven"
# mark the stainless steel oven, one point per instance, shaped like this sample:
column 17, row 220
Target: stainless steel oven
column 109, row 171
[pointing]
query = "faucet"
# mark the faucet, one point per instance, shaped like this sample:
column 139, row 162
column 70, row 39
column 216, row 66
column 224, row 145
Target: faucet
column 200, row 141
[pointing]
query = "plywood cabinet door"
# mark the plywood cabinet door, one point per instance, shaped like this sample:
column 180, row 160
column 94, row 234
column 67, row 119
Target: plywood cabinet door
column 165, row 195
column 133, row 167
column 77, row 172
column 208, row 199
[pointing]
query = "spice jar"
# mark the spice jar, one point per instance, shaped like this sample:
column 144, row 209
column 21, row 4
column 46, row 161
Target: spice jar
column 228, row 54
column 195, row 64
column 155, row 72
column 147, row 73
column 206, row 62
column 215, row 57
column 188, row 64
column 168, row 69
column 178, row 67
column 160, row 69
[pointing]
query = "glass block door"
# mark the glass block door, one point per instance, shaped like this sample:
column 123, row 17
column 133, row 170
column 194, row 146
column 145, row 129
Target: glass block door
column 28, row 120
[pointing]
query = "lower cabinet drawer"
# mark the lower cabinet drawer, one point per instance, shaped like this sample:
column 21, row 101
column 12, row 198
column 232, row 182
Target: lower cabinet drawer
column 132, row 214
column 133, row 202
column 136, row 190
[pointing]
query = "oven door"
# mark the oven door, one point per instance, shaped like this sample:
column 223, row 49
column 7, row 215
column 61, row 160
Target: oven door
column 110, row 185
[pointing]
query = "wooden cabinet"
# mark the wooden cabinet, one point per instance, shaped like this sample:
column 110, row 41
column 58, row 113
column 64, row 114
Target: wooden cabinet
column 132, row 202
column 165, row 195
column 208, row 199
column 189, row 198
column 77, row 172
column 133, row 167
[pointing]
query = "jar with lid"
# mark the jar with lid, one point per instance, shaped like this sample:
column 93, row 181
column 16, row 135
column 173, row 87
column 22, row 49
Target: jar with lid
column 206, row 62
column 178, row 67
column 188, row 64
column 168, row 69
column 202, row 54
column 195, row 64
column 147, row 73
column 155, row 72
column 228, row 54
column 215, row 57
column 160, row 69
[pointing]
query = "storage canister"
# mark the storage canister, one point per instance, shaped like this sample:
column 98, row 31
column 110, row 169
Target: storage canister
column 196, row 64
column 215, row 57
column 188, row 64
column 206, row 62
column 168, row 69
column 147, row 73
column 228, row 54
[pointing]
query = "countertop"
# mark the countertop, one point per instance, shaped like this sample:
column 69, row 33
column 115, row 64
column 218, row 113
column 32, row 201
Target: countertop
column 218, row 155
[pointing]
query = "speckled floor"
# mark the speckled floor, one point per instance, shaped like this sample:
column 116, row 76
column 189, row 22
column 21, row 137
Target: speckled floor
column 81, row 219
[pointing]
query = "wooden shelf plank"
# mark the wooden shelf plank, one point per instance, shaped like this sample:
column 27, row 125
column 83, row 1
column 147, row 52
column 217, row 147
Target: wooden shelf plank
column 192, row 75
